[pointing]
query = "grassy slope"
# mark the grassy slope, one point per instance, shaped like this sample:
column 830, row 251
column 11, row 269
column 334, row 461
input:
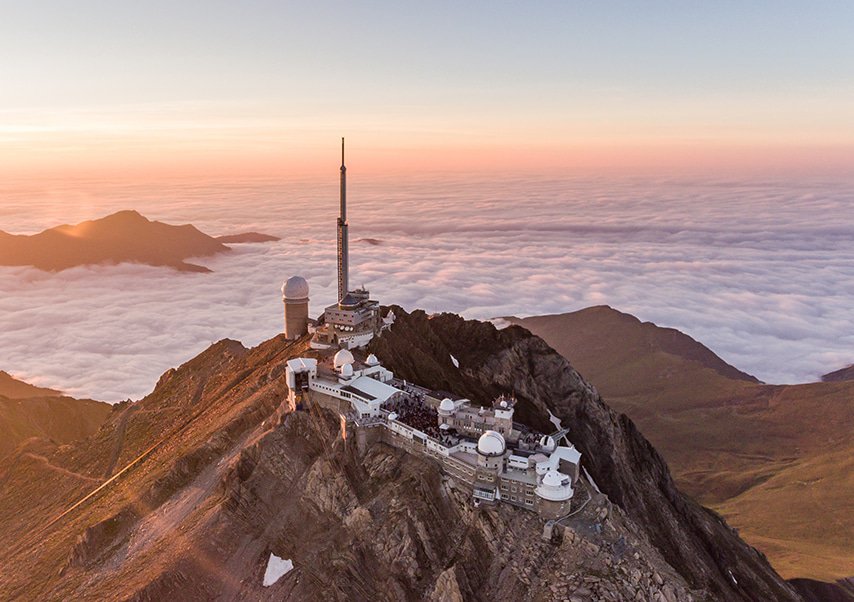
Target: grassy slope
column 775, row 460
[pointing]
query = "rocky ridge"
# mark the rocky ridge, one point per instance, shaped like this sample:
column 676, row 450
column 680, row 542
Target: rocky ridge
column 197, row 484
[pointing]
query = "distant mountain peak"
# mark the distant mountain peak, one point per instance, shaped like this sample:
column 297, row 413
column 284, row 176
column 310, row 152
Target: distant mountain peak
column 846, row 373
column 125, row 236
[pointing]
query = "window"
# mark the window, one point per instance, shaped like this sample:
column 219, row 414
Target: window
column 513, row 497
column 529, row 502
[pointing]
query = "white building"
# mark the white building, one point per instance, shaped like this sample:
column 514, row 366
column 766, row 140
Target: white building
column 524, row 469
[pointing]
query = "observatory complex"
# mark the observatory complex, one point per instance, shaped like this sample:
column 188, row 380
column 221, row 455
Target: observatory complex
column 483, row 449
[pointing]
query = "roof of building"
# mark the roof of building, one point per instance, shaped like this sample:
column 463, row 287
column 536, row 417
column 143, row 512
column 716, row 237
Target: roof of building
column 554, row 478
column 349, row 301
column 491, row 443
column 371, row 387
column 300, row 364
column 295, row 287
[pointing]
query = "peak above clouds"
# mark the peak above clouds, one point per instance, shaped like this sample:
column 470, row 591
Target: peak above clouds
column 124, row 236
column 761, row 272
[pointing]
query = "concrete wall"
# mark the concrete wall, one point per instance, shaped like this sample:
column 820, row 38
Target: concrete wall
column 296, row 319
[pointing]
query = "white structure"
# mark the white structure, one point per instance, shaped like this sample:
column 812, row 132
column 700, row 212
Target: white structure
column 521, row 468
column 555, row 486
column 362, row 388
column 491, row 444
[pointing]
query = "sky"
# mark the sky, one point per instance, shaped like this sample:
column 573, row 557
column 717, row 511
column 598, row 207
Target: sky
column 153, row 89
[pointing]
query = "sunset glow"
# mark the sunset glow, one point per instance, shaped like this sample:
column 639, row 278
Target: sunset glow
column 263, row 89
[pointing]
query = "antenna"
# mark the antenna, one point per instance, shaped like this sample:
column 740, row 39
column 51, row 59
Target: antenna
column 342, row 151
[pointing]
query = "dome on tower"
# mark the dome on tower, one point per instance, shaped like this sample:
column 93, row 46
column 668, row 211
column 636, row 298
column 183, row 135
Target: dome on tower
column 295, row 287
column 372, row 360
column 342, row 357
column 347, row 370
column 490, row 443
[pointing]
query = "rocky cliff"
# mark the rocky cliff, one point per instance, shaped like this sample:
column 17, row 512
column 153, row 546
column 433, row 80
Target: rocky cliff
column 187, row 493
column 694, row 540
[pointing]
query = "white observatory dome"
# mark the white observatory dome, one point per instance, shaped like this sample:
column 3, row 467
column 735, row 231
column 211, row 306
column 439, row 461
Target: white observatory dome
column 446, row 407
column 342, row 357
column 548, row 442
column 295, row 287
column 347, row 370
column 490, row 444
column 372, row 360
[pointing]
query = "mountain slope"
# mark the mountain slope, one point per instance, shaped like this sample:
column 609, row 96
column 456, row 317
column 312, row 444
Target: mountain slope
column 17, row 389
column 842, row 374
column 775, row 460
column 197, row 484
column 125, row 236
column 27, row 411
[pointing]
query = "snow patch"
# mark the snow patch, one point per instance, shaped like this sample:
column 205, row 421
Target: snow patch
column 276, row 569
column 455, row 361
column 589, row 478
column 554, row 419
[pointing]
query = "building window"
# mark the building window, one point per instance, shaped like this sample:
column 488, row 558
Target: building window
column 513, row 497
column 529, row 502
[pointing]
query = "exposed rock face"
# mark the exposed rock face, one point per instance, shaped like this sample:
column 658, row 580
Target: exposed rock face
column 214, row 474
column 819, row 591
column 694, row 540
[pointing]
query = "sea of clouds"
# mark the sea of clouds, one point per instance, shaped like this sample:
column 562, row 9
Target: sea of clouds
column 761, row 271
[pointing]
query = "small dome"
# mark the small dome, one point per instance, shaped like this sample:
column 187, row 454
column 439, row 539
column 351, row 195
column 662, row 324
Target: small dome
column 342, row 357
column 490, row 444
column 548, row 442
column 447, row 406
column 295, row 288
column 347, row 370
column 554, row 479
column 372, row 360
column 503, row 403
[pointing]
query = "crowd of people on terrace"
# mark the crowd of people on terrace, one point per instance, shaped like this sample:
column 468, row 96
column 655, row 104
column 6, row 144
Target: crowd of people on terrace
column 413, row 412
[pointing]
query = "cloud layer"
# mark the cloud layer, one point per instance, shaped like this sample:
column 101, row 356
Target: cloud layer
column 760, row 271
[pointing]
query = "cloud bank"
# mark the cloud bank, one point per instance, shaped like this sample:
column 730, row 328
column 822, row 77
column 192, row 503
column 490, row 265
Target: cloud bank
column 760, row 271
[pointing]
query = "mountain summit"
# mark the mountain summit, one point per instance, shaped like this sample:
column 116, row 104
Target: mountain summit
column 212, row 487
column 125, row 236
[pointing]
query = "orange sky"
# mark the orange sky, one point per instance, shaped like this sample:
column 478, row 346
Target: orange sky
column 212, row 88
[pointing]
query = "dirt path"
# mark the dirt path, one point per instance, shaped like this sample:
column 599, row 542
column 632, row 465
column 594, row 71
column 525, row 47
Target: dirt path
column 60, row 469
column 120, row 441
